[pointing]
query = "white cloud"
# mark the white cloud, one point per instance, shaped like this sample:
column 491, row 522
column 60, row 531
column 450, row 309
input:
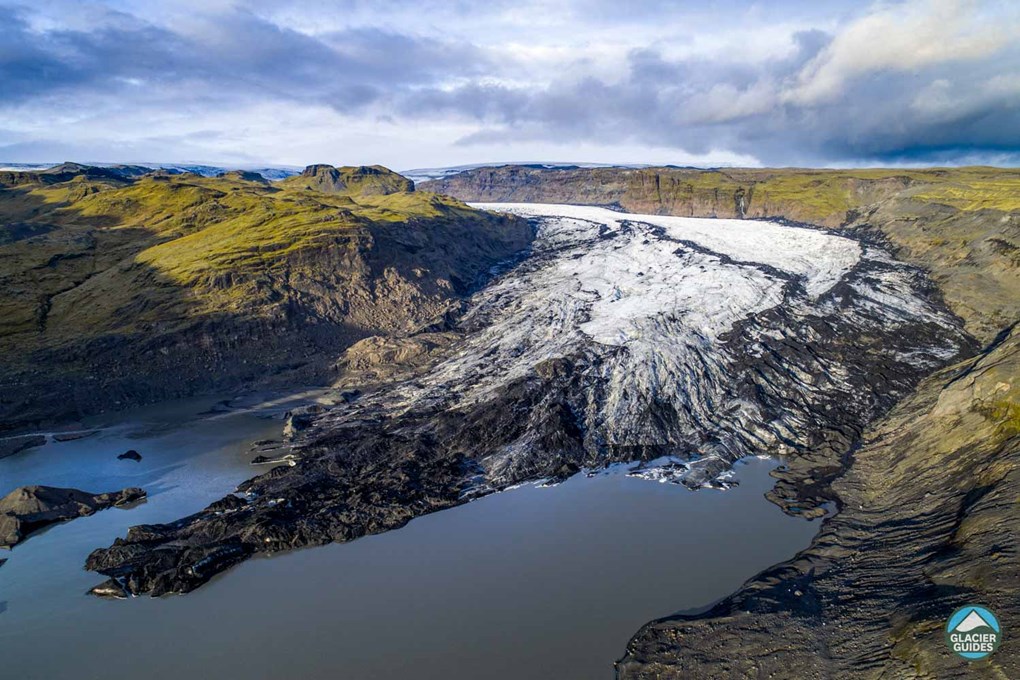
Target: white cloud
column 725, row 102
column 901, row 38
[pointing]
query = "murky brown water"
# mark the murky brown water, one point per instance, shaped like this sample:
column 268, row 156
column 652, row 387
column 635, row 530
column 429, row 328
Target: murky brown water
column 533, row 583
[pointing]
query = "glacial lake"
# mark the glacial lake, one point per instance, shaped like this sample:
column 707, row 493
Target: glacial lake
column 537, row 583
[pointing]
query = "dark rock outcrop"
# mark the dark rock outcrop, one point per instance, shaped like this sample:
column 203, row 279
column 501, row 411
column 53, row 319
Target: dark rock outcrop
column 334, row 503
column 130, row 455
column 30, row 508
column 12, row 445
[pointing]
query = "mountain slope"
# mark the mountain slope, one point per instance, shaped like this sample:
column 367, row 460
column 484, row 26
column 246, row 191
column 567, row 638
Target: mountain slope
column 124, row 290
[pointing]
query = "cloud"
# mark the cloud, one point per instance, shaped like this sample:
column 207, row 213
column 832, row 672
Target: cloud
column 231, row 53
column 924, row 81
column 901, row 38
column 416, row 83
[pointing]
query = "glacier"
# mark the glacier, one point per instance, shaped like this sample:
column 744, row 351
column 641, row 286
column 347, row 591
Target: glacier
column 702, row 339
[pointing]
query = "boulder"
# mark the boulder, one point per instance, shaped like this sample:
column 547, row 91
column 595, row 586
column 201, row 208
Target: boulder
column 110, row 588
column 301, row 419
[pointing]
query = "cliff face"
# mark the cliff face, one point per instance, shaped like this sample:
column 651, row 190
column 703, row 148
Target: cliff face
column 125, row 290
column 815, row 196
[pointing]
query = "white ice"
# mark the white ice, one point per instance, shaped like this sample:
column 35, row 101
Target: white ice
column 820, row 257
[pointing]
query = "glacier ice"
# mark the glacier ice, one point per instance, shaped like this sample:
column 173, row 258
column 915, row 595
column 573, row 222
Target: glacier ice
column 625, row 336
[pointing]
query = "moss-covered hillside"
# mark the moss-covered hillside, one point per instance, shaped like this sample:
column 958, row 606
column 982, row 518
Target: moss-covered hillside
column 824, row 197
column 364, row 180
column 119, row 287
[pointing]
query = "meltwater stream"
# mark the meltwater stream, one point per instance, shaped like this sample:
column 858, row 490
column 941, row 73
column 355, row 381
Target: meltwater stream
column 529, row 583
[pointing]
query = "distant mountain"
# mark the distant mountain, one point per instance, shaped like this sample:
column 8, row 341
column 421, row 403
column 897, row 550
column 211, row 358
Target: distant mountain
column 425, row 174
column 271, row 173
column 365, row 180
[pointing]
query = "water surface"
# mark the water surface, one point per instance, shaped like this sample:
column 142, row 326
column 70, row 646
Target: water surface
column 531, row 583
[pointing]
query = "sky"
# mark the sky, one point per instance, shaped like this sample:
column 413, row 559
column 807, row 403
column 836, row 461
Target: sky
column 448, row 82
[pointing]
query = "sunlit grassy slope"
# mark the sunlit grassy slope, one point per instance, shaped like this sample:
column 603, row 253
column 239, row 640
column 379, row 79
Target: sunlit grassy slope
column 98, row 254
column 825, row 196
column 120, row 287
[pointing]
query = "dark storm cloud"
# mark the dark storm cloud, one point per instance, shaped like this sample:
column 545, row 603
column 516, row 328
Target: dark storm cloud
column 27, row 66
column 235, row 53
column 966, row 108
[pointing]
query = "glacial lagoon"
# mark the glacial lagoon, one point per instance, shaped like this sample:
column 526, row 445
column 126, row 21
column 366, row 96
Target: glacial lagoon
column 536, row 582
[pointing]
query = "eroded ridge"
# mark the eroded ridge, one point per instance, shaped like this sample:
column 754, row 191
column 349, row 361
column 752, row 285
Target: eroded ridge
column 621, row 338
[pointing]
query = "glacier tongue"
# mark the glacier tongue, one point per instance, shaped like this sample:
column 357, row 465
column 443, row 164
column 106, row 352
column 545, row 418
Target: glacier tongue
column 628, row 336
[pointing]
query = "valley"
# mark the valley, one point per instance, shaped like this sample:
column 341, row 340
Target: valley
column 537, row 340
column 461, row 349
column 620, row 338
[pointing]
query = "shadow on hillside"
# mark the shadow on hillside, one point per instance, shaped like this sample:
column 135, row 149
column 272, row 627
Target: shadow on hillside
column 111, row 331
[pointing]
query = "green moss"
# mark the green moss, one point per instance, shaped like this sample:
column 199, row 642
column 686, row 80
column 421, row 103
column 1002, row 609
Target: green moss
column 365, row 180
column 819, row 196
column 1005, row 412
column 167, row 248
column 975, row 194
